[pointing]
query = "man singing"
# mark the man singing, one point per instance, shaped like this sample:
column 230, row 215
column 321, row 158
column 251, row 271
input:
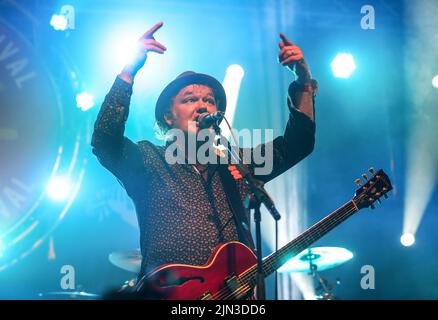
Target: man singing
column 185, row 210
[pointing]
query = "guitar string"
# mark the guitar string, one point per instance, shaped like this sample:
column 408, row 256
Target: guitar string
column 325, row 225
column 321, row 227
column 341, row 215
column 270, row 263
column 222, row 294
column 248, row 274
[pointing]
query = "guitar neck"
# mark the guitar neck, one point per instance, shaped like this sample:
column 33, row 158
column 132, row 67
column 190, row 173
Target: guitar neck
column 303, row 241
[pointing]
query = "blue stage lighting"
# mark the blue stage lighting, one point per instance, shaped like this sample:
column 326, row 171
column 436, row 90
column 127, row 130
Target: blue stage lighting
column 84, row 101
column 407, row 239
column 59, row 188
column 1, row 247
column 343, row 65
column 233, row 79
column 435, row 81
column 59, row 22
column 127, row 51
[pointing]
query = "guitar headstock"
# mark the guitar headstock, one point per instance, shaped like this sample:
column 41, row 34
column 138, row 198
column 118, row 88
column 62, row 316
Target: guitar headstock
column 374, row 188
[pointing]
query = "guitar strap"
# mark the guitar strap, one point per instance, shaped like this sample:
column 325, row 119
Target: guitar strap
column 236, row 206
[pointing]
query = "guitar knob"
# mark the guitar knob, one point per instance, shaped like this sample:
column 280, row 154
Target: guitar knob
column 357, row 181
column 365, row 176
column 371, row 170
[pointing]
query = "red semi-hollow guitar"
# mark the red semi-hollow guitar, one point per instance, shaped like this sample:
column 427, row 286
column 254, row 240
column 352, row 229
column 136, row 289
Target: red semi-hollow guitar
column 231, row 271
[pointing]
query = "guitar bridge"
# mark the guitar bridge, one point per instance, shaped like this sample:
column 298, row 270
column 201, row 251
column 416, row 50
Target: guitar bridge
column 206, row 296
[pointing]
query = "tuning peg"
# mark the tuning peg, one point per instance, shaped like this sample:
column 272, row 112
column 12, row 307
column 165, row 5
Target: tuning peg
column 385, row 196
column 372, row 207
column 371, row 170
column 358, row 182
column 364, row 175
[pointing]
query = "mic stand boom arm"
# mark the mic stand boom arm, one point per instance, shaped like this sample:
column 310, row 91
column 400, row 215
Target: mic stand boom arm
column 256, row 186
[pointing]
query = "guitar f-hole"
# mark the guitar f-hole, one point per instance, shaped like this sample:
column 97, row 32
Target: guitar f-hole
column 177, row 282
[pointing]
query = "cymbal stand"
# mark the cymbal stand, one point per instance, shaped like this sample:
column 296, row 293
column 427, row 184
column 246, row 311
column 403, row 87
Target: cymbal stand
column 324, row 290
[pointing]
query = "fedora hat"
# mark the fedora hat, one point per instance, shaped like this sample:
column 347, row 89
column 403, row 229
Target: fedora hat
column 184, row 79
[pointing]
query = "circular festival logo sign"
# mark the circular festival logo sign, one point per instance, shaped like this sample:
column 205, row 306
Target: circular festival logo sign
column 41, row 138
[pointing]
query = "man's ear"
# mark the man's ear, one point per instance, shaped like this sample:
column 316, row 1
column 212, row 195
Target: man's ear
column 168, row 118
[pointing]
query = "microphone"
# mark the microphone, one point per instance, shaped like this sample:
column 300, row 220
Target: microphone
column 206, row 119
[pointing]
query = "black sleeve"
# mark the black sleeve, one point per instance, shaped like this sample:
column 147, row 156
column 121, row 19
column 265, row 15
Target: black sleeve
column 295, row 144
column 115, row 152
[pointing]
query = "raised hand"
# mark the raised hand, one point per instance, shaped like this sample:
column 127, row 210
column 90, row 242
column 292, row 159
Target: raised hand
column 146, row 43
column 290, row 55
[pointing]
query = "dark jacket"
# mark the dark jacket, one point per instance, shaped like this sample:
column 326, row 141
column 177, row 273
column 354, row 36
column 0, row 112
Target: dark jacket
column 182, row 217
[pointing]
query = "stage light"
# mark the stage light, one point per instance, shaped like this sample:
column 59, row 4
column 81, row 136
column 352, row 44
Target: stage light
column 236, row 73
column 407, row 239
column 233, row 79
column 127, row 50
column 304, row 282
column 421, row 173
column 435, row 81
column 59, row 188
column 2, row 247
column 343, row 65
column 121, row 46
column 59, row 22
column 84, row 101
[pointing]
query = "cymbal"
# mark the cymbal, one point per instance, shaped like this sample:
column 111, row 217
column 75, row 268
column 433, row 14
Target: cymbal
column 126, row 260
column 68, row 295
column 322, row 258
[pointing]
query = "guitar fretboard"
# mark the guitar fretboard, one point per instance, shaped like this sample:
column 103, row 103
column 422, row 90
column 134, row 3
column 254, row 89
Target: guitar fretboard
column 303, row 241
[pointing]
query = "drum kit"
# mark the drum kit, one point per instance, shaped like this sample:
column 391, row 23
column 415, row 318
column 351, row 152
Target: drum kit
column 126, row 260
column 311, row 261
column 314, row 260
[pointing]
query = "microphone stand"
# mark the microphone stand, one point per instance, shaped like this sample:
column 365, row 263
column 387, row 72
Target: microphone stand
column 258, row 196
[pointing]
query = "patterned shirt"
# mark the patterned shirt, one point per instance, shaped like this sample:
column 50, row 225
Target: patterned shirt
column 182, row 217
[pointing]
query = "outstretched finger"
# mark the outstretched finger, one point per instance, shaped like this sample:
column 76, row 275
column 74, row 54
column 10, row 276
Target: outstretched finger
column 154, row 42
column 152, row 30
column 286, row 40
column 153, row 48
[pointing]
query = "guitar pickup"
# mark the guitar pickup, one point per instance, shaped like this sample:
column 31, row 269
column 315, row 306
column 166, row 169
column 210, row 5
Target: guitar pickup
column 232, row 282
